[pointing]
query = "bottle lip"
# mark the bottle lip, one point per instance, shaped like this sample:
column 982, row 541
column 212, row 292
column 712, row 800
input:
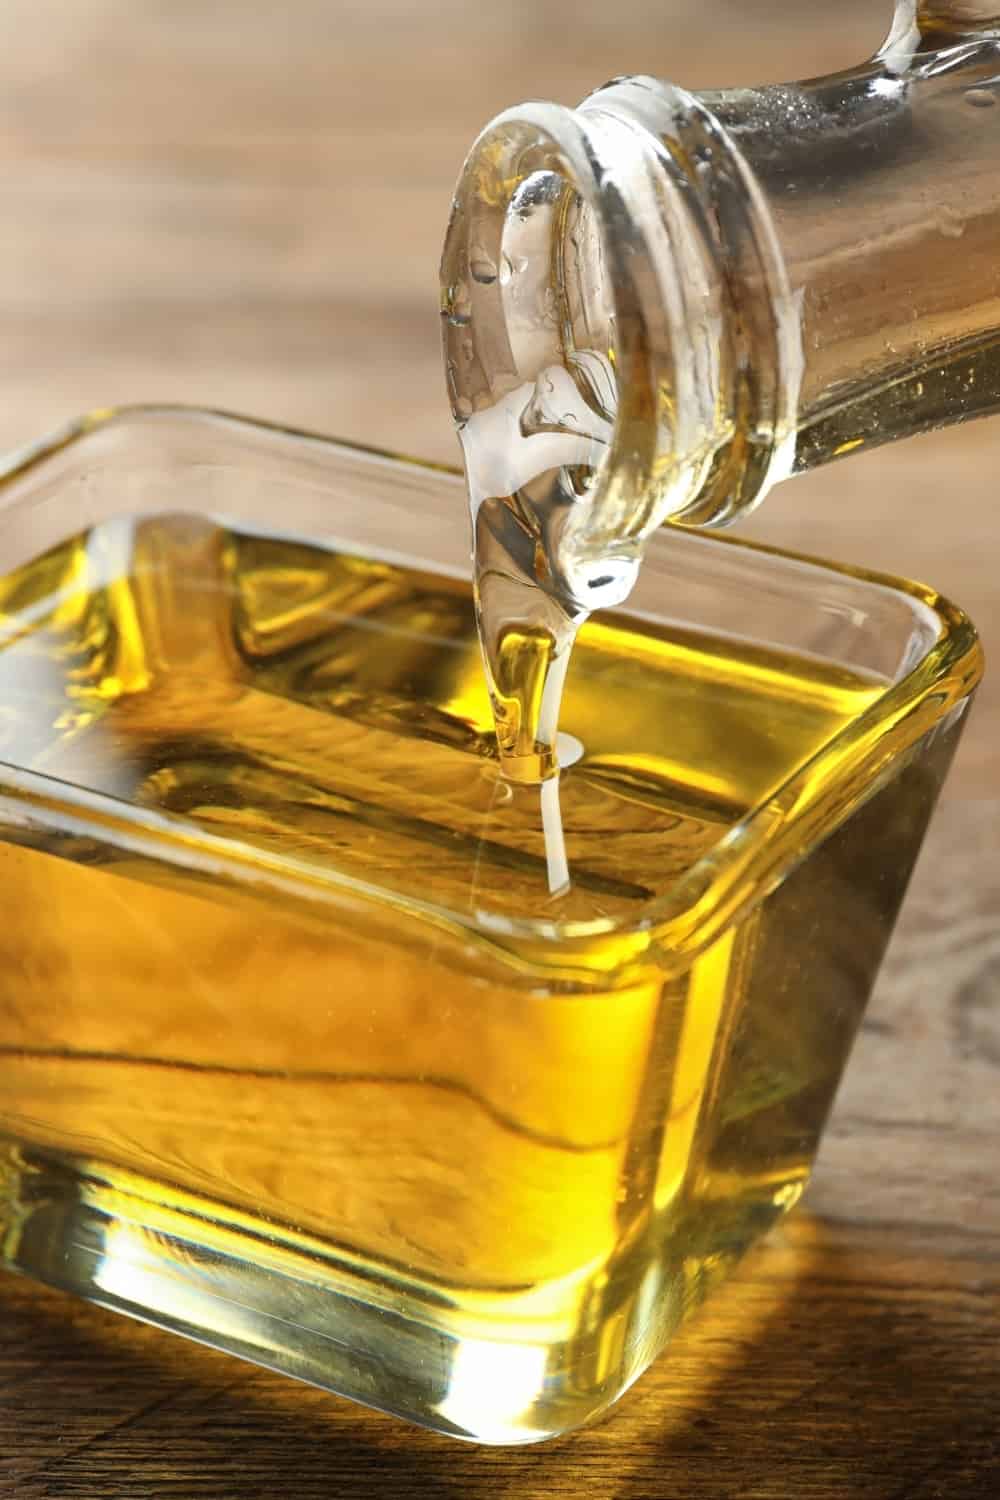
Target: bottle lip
column 706, row 397
column 595, row 160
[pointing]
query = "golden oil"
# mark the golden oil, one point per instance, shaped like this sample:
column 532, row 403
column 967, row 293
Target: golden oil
column 291, row 1056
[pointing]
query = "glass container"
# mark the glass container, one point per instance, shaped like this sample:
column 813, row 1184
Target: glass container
column 314, row 1050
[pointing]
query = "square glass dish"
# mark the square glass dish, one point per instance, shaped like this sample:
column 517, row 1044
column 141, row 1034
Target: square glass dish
column 322, row 1044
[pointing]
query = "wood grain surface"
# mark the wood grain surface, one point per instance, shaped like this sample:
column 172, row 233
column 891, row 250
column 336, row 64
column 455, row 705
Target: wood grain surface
column 242, row 204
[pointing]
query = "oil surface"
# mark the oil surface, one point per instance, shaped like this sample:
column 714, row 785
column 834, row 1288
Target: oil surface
column 331, row 708
column 502, row 1153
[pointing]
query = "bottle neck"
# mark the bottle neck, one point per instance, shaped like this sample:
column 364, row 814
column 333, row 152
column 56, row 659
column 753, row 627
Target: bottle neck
column 657, row 305
column 882, row 189
column 621, row 340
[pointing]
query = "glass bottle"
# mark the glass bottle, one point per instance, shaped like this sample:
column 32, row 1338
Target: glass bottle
column 659, row 304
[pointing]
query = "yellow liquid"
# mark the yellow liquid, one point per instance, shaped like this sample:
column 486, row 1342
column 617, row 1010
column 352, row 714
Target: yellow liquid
column 250, row 1103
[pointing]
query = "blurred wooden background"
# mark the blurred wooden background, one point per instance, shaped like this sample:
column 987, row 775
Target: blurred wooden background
column 242, row 204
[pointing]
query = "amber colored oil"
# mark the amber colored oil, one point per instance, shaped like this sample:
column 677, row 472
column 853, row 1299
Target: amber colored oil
column 281, row 1064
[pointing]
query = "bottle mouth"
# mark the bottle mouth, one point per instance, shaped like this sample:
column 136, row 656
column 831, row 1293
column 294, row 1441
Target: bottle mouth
column 593, row 361
column 557, row 348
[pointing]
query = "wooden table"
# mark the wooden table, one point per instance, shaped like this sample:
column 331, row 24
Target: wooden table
column 242, row 204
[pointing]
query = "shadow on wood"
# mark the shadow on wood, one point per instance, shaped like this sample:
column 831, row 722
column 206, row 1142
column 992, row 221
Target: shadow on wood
column 838, row 1362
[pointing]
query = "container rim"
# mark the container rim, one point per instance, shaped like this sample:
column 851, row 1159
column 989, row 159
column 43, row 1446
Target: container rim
column 670, row 930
